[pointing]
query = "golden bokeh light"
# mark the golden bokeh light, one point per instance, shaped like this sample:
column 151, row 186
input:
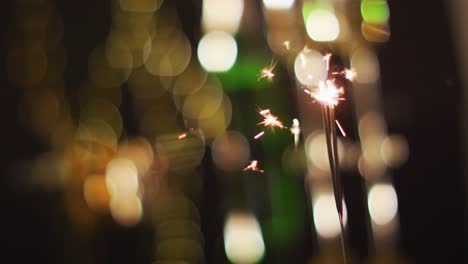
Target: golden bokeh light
column 126, row 210
column 366, row 65
column 121, row 178
column 394, row 150
column 230, row 151
column 169, row 56
column 96, row 194
column 140, row 5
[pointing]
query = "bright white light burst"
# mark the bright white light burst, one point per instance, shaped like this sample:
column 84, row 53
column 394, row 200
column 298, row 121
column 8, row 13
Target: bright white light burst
column 327, row 93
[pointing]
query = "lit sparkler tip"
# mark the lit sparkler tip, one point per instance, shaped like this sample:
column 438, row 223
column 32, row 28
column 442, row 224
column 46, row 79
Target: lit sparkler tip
column 327, row 93
column 259, row 135
column 253, row 166
column 340, row 128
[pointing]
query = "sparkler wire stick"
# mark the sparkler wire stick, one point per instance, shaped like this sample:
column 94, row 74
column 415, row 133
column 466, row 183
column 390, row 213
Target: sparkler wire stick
column 328, row 117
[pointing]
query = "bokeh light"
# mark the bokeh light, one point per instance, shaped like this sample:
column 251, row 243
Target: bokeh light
column 278, row 4
column 375, row 11
column 243, row 241
column 322, row 25
column 394, row 150
column 310, row 68
column 217, row 51
column 383, row 203
column 230, row 151
column 326, row 219
column 121, row 177
column 316, row 151
column 366, row 65
column 126, row 210
column 222, row 15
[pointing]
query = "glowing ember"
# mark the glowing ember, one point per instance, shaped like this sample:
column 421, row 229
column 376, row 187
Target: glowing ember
column 267, row 72
column 270, row 120
column 296, row 131
column 253, row 166
column 349, row 74
column 327, row 93
column 341, row 128
column 182, row 136
column 259, row 135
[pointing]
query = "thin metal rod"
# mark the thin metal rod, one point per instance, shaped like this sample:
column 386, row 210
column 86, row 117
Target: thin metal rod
column 328, row 117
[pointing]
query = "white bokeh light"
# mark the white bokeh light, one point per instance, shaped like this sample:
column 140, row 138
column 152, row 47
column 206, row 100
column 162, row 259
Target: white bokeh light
column 310, row 67
column 383, row 203
column 217, row 51
column 322, row 25
column 326, row 217
column 278, row 4
column 243, row 241
column 222, row 15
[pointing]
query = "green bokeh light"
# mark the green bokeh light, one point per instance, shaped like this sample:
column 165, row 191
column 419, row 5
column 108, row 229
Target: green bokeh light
column 375, row 11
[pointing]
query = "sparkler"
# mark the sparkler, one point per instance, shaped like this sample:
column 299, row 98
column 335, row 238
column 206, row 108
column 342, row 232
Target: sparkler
column 253, row 166
column 329, row 95
column 267, row 72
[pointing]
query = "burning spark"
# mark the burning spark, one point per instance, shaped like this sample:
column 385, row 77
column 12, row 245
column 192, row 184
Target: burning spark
column 327, row 93
column 253, row 166
column 182, row 136
column 270, row 120
column 286, row 44
column 296, row 131
column 340, row 127
column 267, row 72
column 259, row 135
column 349, row 74
column 327, row 58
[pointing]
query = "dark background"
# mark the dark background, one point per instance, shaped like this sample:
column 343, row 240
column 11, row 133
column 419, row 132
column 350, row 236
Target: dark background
column 422, row 96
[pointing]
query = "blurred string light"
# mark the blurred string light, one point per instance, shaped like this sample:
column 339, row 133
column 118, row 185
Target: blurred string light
column 217, row 51
column 310, row 68
column 278, row 4
column 222, row 15
column 123, row 185
column 326, row 217
column 243, row 241
column 366, row 65
column 375, row 24
column 321, row 22
column 230, row 151
column 382, row 203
